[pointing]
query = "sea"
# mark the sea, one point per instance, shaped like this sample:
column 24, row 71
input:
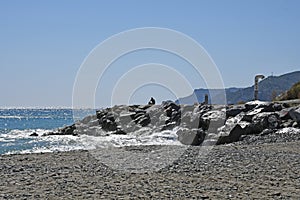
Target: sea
column 17, row 125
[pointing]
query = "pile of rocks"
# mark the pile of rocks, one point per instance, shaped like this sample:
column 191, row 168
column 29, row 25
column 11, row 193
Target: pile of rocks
column 195, row 124
column 258, row 119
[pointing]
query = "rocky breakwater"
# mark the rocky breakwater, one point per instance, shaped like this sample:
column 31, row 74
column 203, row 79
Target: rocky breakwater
column 198, row 124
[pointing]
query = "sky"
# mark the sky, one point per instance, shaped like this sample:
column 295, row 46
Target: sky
column 44, row 43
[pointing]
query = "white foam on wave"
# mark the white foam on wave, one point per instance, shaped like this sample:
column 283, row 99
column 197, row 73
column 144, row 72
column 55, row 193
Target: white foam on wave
column 47, row 149
column 18, row 134
column 24, row 117
column 166, row 137
column 38, row 144
column 61, row 143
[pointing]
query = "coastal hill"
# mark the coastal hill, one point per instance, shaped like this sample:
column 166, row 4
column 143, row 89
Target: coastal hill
column 269, row 88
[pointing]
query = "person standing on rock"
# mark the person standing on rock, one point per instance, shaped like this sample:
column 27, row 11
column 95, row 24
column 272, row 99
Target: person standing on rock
column 152, row 101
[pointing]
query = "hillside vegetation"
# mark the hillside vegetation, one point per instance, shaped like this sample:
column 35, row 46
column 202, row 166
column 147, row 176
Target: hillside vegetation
column 292, row 93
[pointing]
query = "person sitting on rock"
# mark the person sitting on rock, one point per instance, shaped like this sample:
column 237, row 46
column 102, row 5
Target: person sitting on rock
column 152, row 101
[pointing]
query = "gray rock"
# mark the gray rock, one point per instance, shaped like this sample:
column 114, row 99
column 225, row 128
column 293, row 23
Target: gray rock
column 34, row 134
column 87, row 119
column 68, row 130
column 170, row 105
column 233, row 136
column 295, row 114
column 234, row 111
column 277, row 107
column 266, row 107
column 143, row 120
column 284, row 114
column 263, row 121
column 287, row 123
column 249, row 115
column 93, row 123
column 250, row 105
column 109, row 125
column 191, row 137
column 267, row 132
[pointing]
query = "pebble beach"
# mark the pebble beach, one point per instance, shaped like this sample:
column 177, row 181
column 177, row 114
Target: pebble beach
column 235, row 171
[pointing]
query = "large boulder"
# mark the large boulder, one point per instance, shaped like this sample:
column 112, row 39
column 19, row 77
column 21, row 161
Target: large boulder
column 263, row 121
column 295, row 114
column 233, row 136
column 170, row 105
column 251, row 105
column 250, row 114
column 284, row 114
column 212, row 120
column 143, row 120
column 234, row 110
column 266, row 107
column 68, row 130
column 191, row 136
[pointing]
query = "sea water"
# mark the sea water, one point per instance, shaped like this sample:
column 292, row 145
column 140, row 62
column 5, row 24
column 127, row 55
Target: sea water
column 17, row 125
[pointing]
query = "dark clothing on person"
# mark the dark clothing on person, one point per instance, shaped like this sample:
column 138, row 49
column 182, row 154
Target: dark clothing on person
column 152, row 101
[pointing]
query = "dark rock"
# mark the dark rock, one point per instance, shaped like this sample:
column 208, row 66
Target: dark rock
column 263, row 121
column 234, row 111
column 138, row 115
column 212, row 120
column 125, row 118
column 202, row 109
column 119, row 132
column 34, row 134
column 143, row 120
column 295, row 125
column 170, row 105
column 286, row 105
column 191, row 137
column 295, row 114
column 284, row 114
column 108, row 125
column 110, row 117
column 168, row 126
column 176, row 117
column 249, row 115
column 68, row 130
column 203, row 124
column 266, row 107
column 233, row 136
column 250, row 105
column 277, row 107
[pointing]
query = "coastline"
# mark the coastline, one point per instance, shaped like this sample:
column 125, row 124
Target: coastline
column 227, row 171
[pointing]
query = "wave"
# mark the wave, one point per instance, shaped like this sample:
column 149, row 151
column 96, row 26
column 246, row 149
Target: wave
column 26, row 117
column 20, row 141
column 167, row 137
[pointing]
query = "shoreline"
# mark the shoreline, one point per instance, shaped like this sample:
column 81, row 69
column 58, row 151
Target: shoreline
column 226, row 171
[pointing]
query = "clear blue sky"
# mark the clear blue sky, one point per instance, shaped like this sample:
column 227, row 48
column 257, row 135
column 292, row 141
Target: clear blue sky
column 43, row 43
